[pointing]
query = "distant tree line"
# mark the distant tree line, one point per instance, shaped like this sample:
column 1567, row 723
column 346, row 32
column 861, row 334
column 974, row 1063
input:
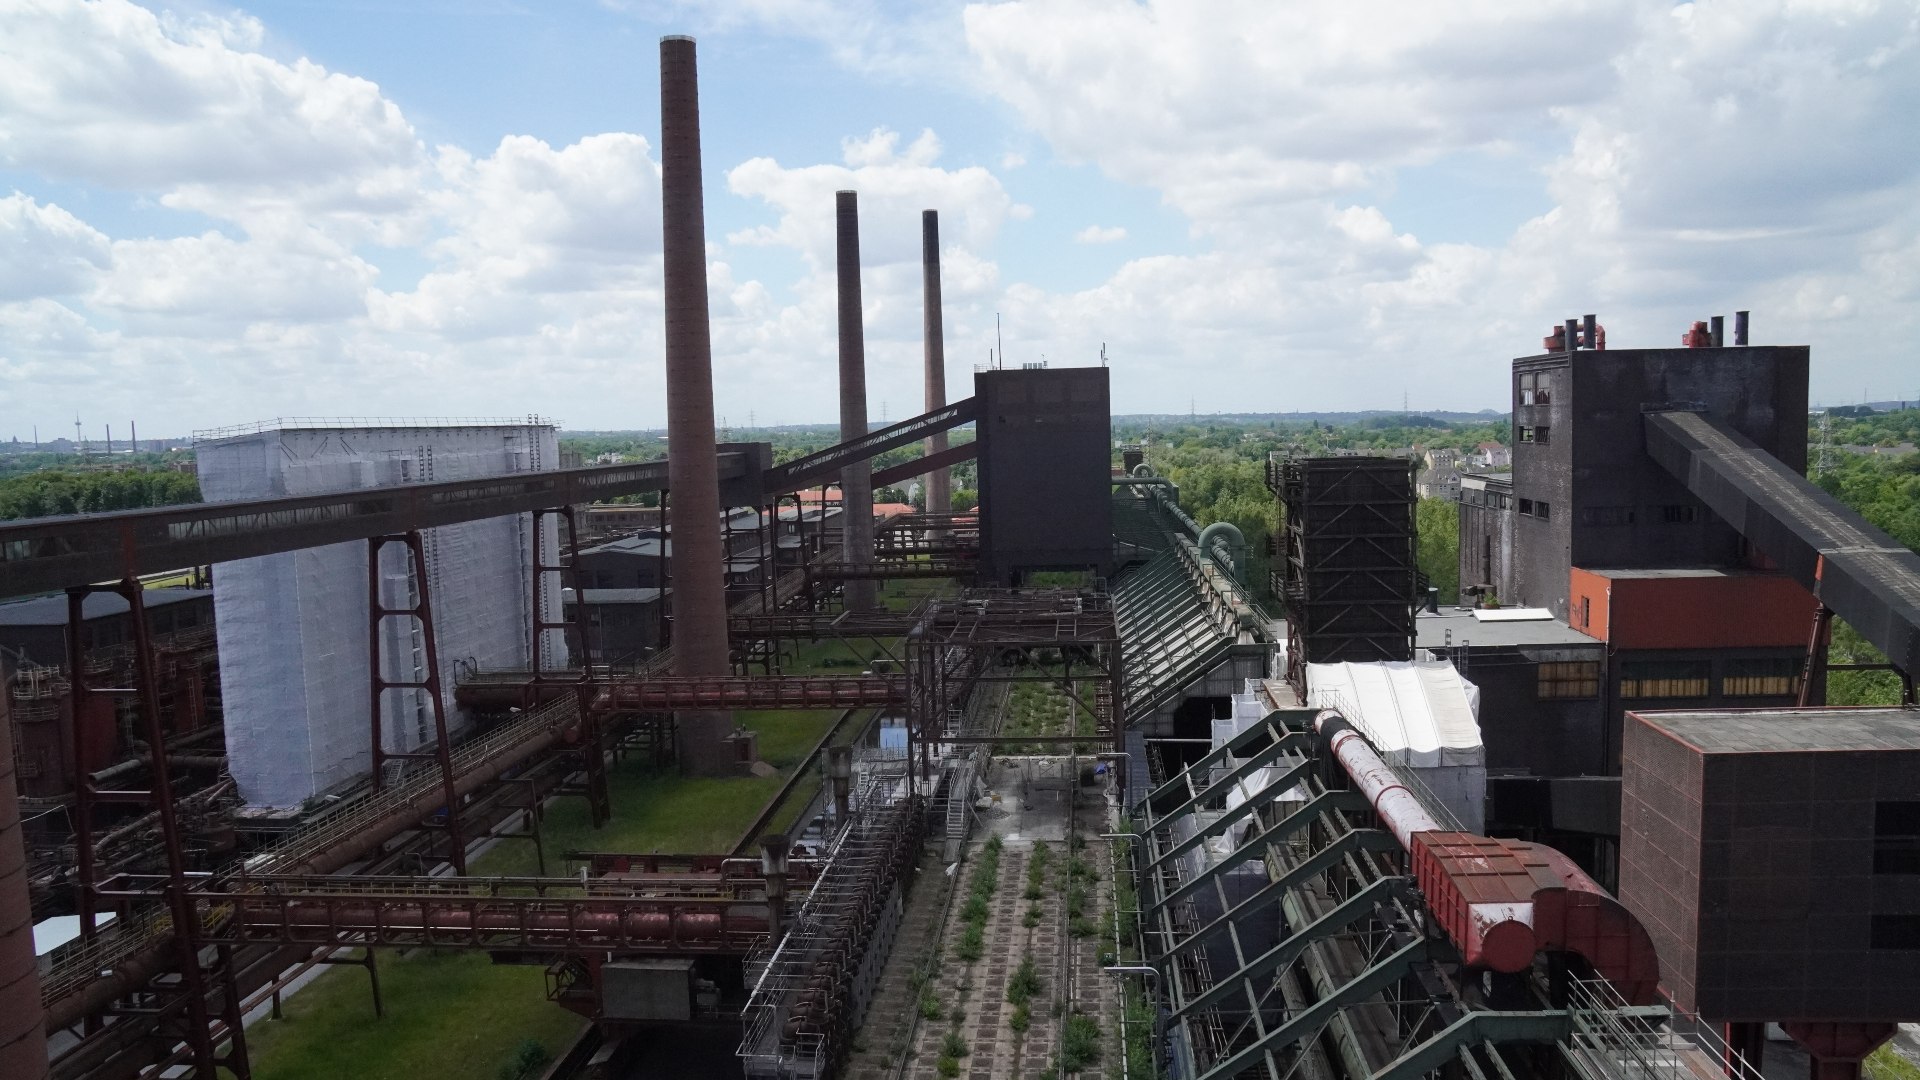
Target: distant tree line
column 65, row 491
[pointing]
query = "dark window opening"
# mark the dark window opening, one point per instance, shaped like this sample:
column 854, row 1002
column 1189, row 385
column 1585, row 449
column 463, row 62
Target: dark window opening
column 1526, row 507
column 1896, row 932
column 1606, row 515
column 1540, row 434
column 1526, row 434
column 1678, row 515
column 1896, row 838
column 1527, row 391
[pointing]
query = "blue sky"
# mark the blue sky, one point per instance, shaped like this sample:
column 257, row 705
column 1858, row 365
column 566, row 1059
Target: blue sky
column 213, row 214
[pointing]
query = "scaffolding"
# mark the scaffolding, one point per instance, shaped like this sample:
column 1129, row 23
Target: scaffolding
column 810, row 991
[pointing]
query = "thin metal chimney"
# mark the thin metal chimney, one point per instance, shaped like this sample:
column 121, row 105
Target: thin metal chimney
column 856, row 479
column 939, row 482
column 693, row 473
column 1739, row 328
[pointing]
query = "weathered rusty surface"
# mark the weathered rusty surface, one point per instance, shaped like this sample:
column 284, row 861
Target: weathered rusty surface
column 856, row 479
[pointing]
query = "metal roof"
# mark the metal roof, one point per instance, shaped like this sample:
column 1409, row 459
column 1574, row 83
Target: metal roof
column 51, row 610
column 1747, row 731
column 615, row 596
column 1430, row 631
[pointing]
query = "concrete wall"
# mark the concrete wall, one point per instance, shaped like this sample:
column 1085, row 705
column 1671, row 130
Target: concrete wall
column 1755, row 874
column 1611, row 504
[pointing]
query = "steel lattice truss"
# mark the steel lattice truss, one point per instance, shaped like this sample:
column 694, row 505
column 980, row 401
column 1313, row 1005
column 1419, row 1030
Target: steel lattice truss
column 1306, row 949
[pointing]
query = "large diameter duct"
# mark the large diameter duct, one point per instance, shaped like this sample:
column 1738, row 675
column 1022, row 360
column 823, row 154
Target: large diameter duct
column 856, row 480
column 939, row 482
column 693, row 474
column 23, row 1037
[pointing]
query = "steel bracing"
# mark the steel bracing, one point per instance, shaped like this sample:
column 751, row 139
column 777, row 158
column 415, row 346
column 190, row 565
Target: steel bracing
column 1290, row 938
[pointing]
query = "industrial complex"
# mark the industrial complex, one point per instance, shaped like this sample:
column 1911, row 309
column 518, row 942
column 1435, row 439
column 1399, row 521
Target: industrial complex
column 1083, row 804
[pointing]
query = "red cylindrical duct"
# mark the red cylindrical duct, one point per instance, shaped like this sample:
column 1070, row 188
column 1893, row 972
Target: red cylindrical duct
column 693, row 475
column 856, row 479
column 1483, row 900
column 939, row 487
column 23, row 1036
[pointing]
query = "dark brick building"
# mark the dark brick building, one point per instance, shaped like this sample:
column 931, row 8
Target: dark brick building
column 1045, row 457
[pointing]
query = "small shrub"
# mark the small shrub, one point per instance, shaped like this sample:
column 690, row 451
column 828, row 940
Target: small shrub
column 1082, row 927
column 1032, row 918
column 527, row 1060
column 929, row 1006
column 1080, row 1043
column 976, row 908
column 1025, row 983
column 972, row 944
column 1020, row 1020
column 954, row 1046
column 948, row 1067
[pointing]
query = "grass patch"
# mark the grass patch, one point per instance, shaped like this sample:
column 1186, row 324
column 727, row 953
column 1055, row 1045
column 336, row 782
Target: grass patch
column 1887, row 1063
column 1020, row 1020
column 1025, row 983
column 930, row 1006
column 954, row 1046
column 449, row 1014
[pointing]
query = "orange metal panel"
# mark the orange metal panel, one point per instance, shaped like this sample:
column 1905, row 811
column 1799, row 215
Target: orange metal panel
column 1691, row 611
column 1588, row 594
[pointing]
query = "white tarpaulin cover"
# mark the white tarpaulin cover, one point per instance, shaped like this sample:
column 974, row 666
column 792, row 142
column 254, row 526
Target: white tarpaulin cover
column 293, row 627
column 1418, row 715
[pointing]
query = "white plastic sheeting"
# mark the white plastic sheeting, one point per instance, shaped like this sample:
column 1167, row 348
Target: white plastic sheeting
column 293, row 627
column 1419, row 716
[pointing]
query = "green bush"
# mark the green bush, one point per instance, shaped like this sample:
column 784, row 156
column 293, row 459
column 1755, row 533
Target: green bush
column 527, row 1061
column 1080, row 1043
column 948, row 1067
column 1025, row 983
column 1020, row 1020
column 954, row 1046
column 929, row 1006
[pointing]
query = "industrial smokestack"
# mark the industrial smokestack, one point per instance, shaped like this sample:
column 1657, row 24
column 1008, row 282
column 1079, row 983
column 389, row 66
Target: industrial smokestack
column 856, row 480
column 939, row 482
column 693, row 474
column 23, row 1036
column 1739, row 328
column 1717, row 329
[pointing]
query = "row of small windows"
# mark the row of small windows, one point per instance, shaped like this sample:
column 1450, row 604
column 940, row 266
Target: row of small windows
column 1537, row 434
column 1667, row 679
column 1535, row 508
column 1773, row 677
column 1670, row 514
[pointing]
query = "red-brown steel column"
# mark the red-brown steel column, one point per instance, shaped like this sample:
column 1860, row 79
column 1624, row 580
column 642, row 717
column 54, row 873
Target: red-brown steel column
column 693, row 475
column 856, row 480
column 23, row 1036
column 939, row 486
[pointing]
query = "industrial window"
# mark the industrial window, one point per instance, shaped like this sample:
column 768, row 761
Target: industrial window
column 1540, row 434
column 1527, row 390
column 1606, row 515
column 1543, row 390
column 1576, row 679
column 1526, row 434
column 1778, row 677
column 1526, row 507
column 1896, row 932
column 1678, row 514
column 1541, row 510
column 1504, row 501
column 1896, row 838
column 1664, row 678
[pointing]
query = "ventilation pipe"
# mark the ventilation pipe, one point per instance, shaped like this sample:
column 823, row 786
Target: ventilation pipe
column 1228, row 533
column 856, row 479
column 1739, row 328
column 693, row 475
column 23, row 1036
column 939, row 481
